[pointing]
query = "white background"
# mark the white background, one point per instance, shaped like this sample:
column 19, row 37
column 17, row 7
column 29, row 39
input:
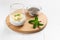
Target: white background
column 51, row 9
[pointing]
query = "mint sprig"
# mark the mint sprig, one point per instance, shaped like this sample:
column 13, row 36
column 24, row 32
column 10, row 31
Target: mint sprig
column 35, row 22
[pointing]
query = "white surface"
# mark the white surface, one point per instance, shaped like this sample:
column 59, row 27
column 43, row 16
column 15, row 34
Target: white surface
column 51, row 8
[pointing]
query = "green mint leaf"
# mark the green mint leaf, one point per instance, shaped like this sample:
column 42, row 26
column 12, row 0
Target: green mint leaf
column 40, row 24
column 35, row 25
column 17, row 15
column 31, row 21
column 36, row 18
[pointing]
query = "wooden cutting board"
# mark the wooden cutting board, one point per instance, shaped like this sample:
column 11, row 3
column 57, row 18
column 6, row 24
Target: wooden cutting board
column 28, row 28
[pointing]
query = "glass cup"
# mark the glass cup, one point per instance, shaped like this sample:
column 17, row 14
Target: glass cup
column 16, row 6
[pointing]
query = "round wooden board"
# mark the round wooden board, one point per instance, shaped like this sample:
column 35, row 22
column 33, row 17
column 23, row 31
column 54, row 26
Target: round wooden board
column 28, row 28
